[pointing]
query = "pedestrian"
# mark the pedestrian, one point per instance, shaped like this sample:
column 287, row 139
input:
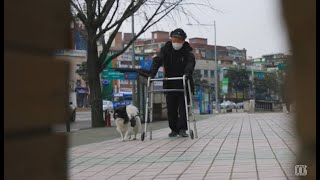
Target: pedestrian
column 177, row 59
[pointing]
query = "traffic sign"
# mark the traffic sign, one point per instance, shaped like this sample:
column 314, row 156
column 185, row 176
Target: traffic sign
column 105, row 82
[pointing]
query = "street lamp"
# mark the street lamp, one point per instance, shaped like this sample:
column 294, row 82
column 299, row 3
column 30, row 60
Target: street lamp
column 215, row 61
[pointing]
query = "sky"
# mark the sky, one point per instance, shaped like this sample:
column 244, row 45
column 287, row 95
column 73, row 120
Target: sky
column 255, row 25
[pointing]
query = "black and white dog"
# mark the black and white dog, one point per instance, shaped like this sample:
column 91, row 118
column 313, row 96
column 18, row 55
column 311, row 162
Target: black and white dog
column 127, row 121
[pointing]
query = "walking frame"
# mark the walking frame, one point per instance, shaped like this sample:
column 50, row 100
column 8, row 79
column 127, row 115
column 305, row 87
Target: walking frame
column 149, row 104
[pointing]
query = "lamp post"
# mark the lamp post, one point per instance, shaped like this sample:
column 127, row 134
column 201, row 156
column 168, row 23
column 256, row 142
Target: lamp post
column 215, row 62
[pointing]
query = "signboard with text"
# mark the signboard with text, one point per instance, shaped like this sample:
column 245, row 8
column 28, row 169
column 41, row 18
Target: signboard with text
column 112, row 74
column 225, row 83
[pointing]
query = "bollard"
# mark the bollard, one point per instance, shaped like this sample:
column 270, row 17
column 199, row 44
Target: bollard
column 68, row 124
column 107, row 118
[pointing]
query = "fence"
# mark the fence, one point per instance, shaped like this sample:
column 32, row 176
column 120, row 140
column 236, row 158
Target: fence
column 264, row 105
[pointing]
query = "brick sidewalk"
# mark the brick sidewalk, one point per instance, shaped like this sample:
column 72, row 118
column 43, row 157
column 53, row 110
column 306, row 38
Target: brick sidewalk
column 230, row 146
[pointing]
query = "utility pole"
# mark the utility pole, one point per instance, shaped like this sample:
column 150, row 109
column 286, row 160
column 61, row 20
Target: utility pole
column 216, row 69
column 134, row 97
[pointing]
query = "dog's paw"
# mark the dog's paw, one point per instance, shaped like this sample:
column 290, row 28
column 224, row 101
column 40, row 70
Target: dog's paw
column 134, row 139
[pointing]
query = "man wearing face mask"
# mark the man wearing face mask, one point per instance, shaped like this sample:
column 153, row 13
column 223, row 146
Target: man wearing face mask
column 177, row 59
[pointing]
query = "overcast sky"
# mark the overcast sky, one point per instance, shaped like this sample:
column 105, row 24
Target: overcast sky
column 255, row 25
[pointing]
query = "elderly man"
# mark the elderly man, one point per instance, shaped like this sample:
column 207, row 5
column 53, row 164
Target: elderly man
column 177, row 58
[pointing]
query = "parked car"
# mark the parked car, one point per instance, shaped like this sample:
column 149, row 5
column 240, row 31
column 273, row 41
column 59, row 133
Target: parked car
column 228, row 105
column 107, row 105
column 72, row 110
column 240, row 105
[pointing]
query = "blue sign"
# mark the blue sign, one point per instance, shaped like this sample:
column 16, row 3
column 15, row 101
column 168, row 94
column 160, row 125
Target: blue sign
column 105, row 82
column 121, row 104
column 146, row 64
column 130, row 76
column 260, row 75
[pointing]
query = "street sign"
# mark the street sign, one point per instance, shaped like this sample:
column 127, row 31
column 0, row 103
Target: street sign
column 111, row 74
column 130, row 76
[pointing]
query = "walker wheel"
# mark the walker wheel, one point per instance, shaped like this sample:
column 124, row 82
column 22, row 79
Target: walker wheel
column 191, row 134
column 142, row 136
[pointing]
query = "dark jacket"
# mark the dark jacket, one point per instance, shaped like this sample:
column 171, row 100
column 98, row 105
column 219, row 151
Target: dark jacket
column 176, row 64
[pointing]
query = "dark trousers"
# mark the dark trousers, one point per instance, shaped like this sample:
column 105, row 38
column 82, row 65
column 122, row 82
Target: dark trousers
column 176, row 111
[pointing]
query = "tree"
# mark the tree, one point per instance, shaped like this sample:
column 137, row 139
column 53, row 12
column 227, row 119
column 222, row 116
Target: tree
column 266, row 85
column 101, row 16
column 238, row 79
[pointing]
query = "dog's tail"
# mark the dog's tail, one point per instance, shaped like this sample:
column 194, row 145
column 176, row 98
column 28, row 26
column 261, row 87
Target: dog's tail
column 132, row 110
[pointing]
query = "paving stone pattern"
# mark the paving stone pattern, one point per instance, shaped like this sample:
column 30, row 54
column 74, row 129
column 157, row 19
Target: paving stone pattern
column 229, row 146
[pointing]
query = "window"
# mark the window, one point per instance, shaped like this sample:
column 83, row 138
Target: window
column 212, row 74
column 203, row 53
column 205, row 73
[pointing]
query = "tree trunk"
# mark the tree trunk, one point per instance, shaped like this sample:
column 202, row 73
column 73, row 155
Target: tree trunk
column 94, row 82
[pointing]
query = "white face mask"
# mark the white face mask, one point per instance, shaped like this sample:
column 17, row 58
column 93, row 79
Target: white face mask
column 177, row 46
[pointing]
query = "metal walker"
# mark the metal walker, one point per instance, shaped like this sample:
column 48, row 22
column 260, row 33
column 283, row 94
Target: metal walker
column 149, row 104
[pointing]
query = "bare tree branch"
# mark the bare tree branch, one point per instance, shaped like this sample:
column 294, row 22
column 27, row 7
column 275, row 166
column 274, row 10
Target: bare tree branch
column 145, row 28
column 80, row 6
column 105, row 11
column 94, row 7
column 106, row 47
column 90, row 10
column 80, row 14
column 203, row 5
column 114, row 13
column 188, row 14
column 131, row 9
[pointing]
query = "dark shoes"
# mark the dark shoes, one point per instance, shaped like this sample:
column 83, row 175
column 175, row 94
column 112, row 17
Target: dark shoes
column 183, row 133
column 173, row 134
